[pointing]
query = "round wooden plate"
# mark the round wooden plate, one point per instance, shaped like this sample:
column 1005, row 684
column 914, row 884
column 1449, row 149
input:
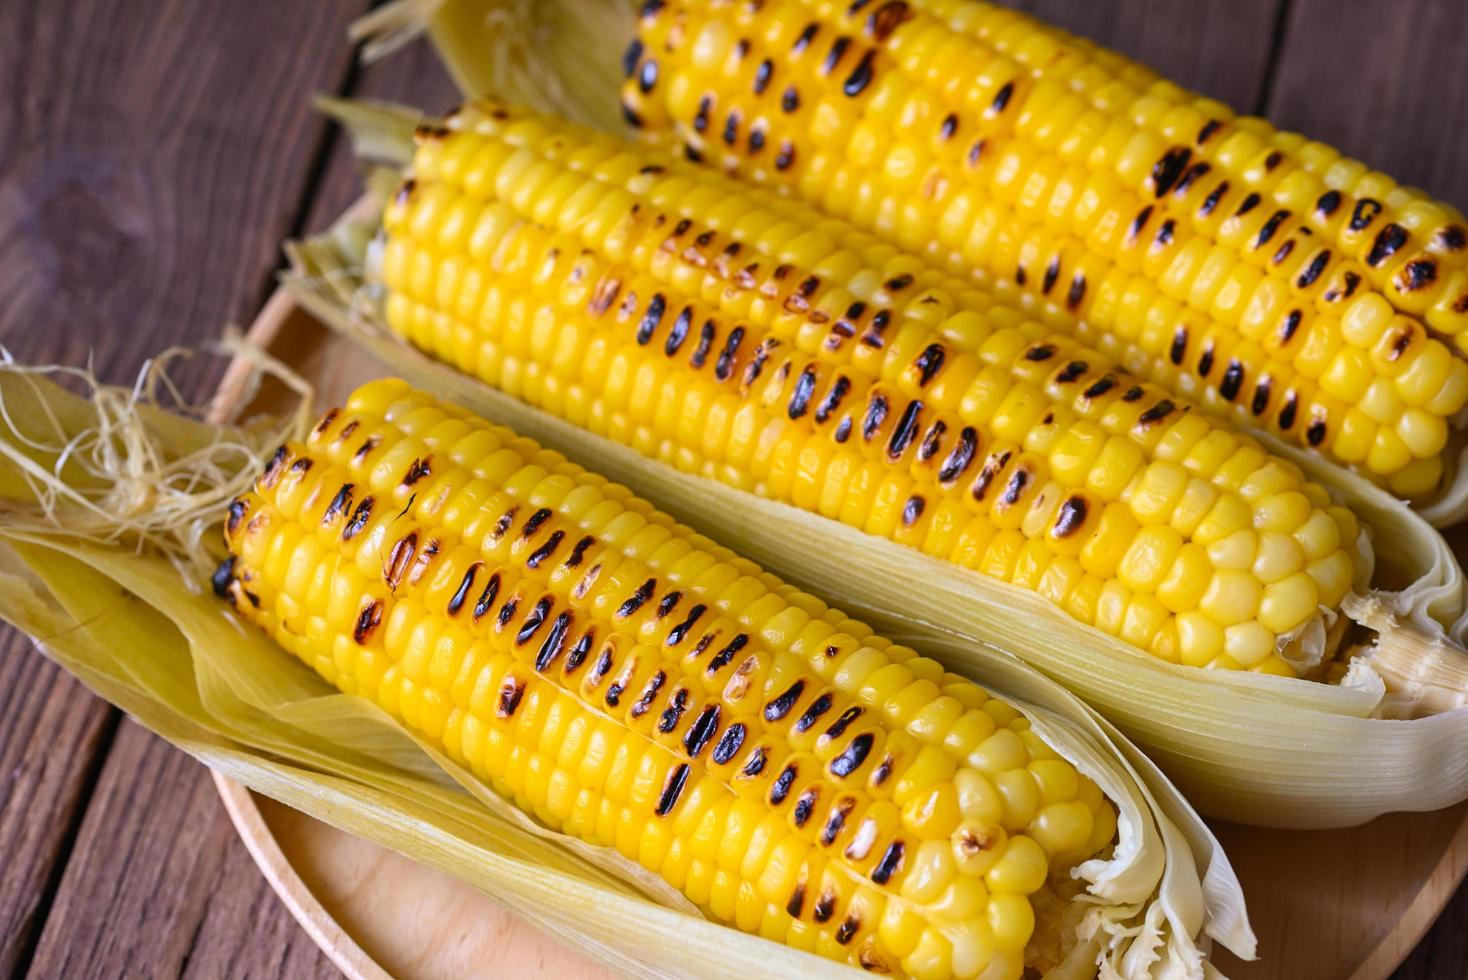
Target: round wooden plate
column 1325, row 904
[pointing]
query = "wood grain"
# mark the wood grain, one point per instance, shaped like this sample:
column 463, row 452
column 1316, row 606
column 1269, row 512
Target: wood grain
column 1386, row 82
column 1218, row 47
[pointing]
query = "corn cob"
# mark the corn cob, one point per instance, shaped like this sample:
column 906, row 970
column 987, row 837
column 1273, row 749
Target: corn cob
column 633, row 685
column 1298, row 316
column 650, row 303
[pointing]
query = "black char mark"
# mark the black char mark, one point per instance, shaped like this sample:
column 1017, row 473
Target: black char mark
column 635, row 600
column 674, row 789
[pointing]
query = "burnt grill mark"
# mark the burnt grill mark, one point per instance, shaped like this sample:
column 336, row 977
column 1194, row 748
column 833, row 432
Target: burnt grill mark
column 502, row 526
column 1052, row 272
column 701, row 731
column 274, row 466
column 912, row 510
column 1155, row 414
column 1315, row 432
column 555, row 642
column 1290, row 324
column 1452, row 238
column 677, row 633
column 546, row 550
column 673, row 713
column 976, row 153
column 724, row 366
column 461, row 594
column 672, row 790
column 1328, row 203
column 835, row 822
column 805, row 805
column 832, row 401
column 1313, row 270
column 1134, row 231
column 631, row 56
column 1388, row 241
column 756, row 763
column 1205, row 361
column 780, row 706
column 223, row 577
column 1232, row 380
column 860, row 77
column 905, row 430
column 1261, row 397
column 532, row 525
column 533, row 620
column 1167, row 170
column 701, row 117
column 886, row 19
column 359, row 519
column 786, row 157
column 851, row 758
column 1179, row 348
column 1197, row 170
column 1364, row 213
column 649, row 693
column 332, row 414
column 239, row 508
column 805, row 384
column 651, row 319
column 647, row 78
column 1249, row 203
column 1288, row 410
column 825, row 907
column 368, row 444
column 1283, row 252
column 898, row 283
column 511, row 691
column 729, row 743
column 843, row 430
column 762, row 76
column 1271, row 225
column 705, row 341
column 932, row 441
column 635, row 600
column 883, row 772
column 418, row 470
column 1071, row 517
column 579, row 653
column 1040, row 352
column 756, row 138
column 876, row 415
column 1163, row 238
column 667, row 603
column 367, row 622
column 604, row 296
column 578, row 552
column 962, row 455
column 1071, row 372
column 602, row 666
column 948, row 128
column 507, row 611
column 790, row 100
column 1076, row 293
column 796, row 904
column 834, row 55
column 487, row 597
column 928, row 363
column 721, row 659
column 839, row 726
column 1211, row 201
column 1101, row 387
column 783, row 783
column 889, row 864
column 813, row 714
column 345, row 433
column 847, row 930
column 757, row 362
column 1206, row 133
column 398, row 559
column 1015, row 488
column 405, row 191
column 1001, row 98
column 806, row 36
column 1416, row 275
column 1132, row 394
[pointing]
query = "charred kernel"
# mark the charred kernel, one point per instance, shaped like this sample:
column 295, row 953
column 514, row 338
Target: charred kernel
column 238, row 509
column 948, row 127
column 1417, row 274
column 890, row 863
column 731, row 127
column 847, row 930
column 1206, row 133
column 274, row 466
column 1077, row 291
column 1002, row 97
column 839, row 726
column 1452, row 238
column 756, row 138
column 532, row 525
column 1400, row 343
column 579, row 651
column 648, row 77
column 1169, row 168
column 1070, row 517
column 651, row 319
column 1388, row 241
column 876, row 415
column 555, row 642
column 547, row 549
column 1288, row 410
column 832, row 401
column 757, row 362
column 1364, row 213
column 790, row 100
column 724, row 656
column 1315, row 432
column 635, row 600
column 614, row 694
column 886, row 19
column 502, row 526
column 398, row 559
column 631, row 56
column 677, row 633
column 756, row 762
column 1283, row 252
column 1289, row 325
column 851, row 758
column 346, row 432
column 1155, row 414
column 1232, row 380
column 806, row 36
column 796, row 903
column 929, row 362
column 962, row 455
column 780, row 788
column 326, row 421
column 1210, row 203
column 649, row 694
column 805, row 805
column 825, row 907
column 1271, row 225
column 1132, row 394
column 1313, row 270
column 780, row 706
column 1205, row 361
column 1249, row 203
column 369, row 444
column 674, row 789
column 1015, row 487
column 898, row 283
column 1261, row 397
column 724, row 366
column 975, row 153
column 1197, row 170
column 487, row 597
column 843, row 430
column 668, row 603
column 533, row 621
column 786, row 157
column 729, row 743
column 359, row 519
column 1328, row 203
column 630, row 116
column 1040, row 352
column 860, row 77
column 1138, row 223
column 1072, row 371
column 367, row 622
column 1100, row 387
column 511, row 691
column 1179, row 347
column 701, row 731
column 1164, row 235
column 1052, row 272
column 673, row 713
column 223, row 577
column 833, row 56
column 912, row 510
column 701, row 117
column 705, row 342
column 762, row 76
column 905, row 430
column 405, row 191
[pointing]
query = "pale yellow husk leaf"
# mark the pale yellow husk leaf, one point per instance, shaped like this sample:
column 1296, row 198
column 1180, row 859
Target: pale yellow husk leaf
column 108, row 526
column 1255, row 749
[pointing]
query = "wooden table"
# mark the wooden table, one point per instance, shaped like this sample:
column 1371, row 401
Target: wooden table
column 151, row 160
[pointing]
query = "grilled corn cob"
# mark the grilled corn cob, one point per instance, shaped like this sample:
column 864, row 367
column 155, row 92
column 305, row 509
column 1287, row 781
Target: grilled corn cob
column 698, row 323
column 633, row 685
column 1205, row 258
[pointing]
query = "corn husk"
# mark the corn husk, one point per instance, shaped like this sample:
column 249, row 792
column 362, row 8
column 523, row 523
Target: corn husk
column 109, row 513
column 562, row 57
column 1255, row 749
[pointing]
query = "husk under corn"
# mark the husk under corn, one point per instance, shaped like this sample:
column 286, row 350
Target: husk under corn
column 561, row 57
column 116, row 595
column 1255, row 749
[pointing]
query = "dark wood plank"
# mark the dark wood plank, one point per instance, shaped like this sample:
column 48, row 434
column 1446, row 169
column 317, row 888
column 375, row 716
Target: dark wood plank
column 1385, row 82
column 150, row 162
column 1217, row 47
column 41, row 789
column 159, row 885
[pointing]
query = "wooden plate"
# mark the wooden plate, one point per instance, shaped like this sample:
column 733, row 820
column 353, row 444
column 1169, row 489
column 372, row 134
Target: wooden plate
column 1325, row 904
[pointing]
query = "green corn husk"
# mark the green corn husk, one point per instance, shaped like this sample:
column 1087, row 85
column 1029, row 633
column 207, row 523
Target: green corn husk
column 562, row 57
column 1254, row 749
column 109, row 524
